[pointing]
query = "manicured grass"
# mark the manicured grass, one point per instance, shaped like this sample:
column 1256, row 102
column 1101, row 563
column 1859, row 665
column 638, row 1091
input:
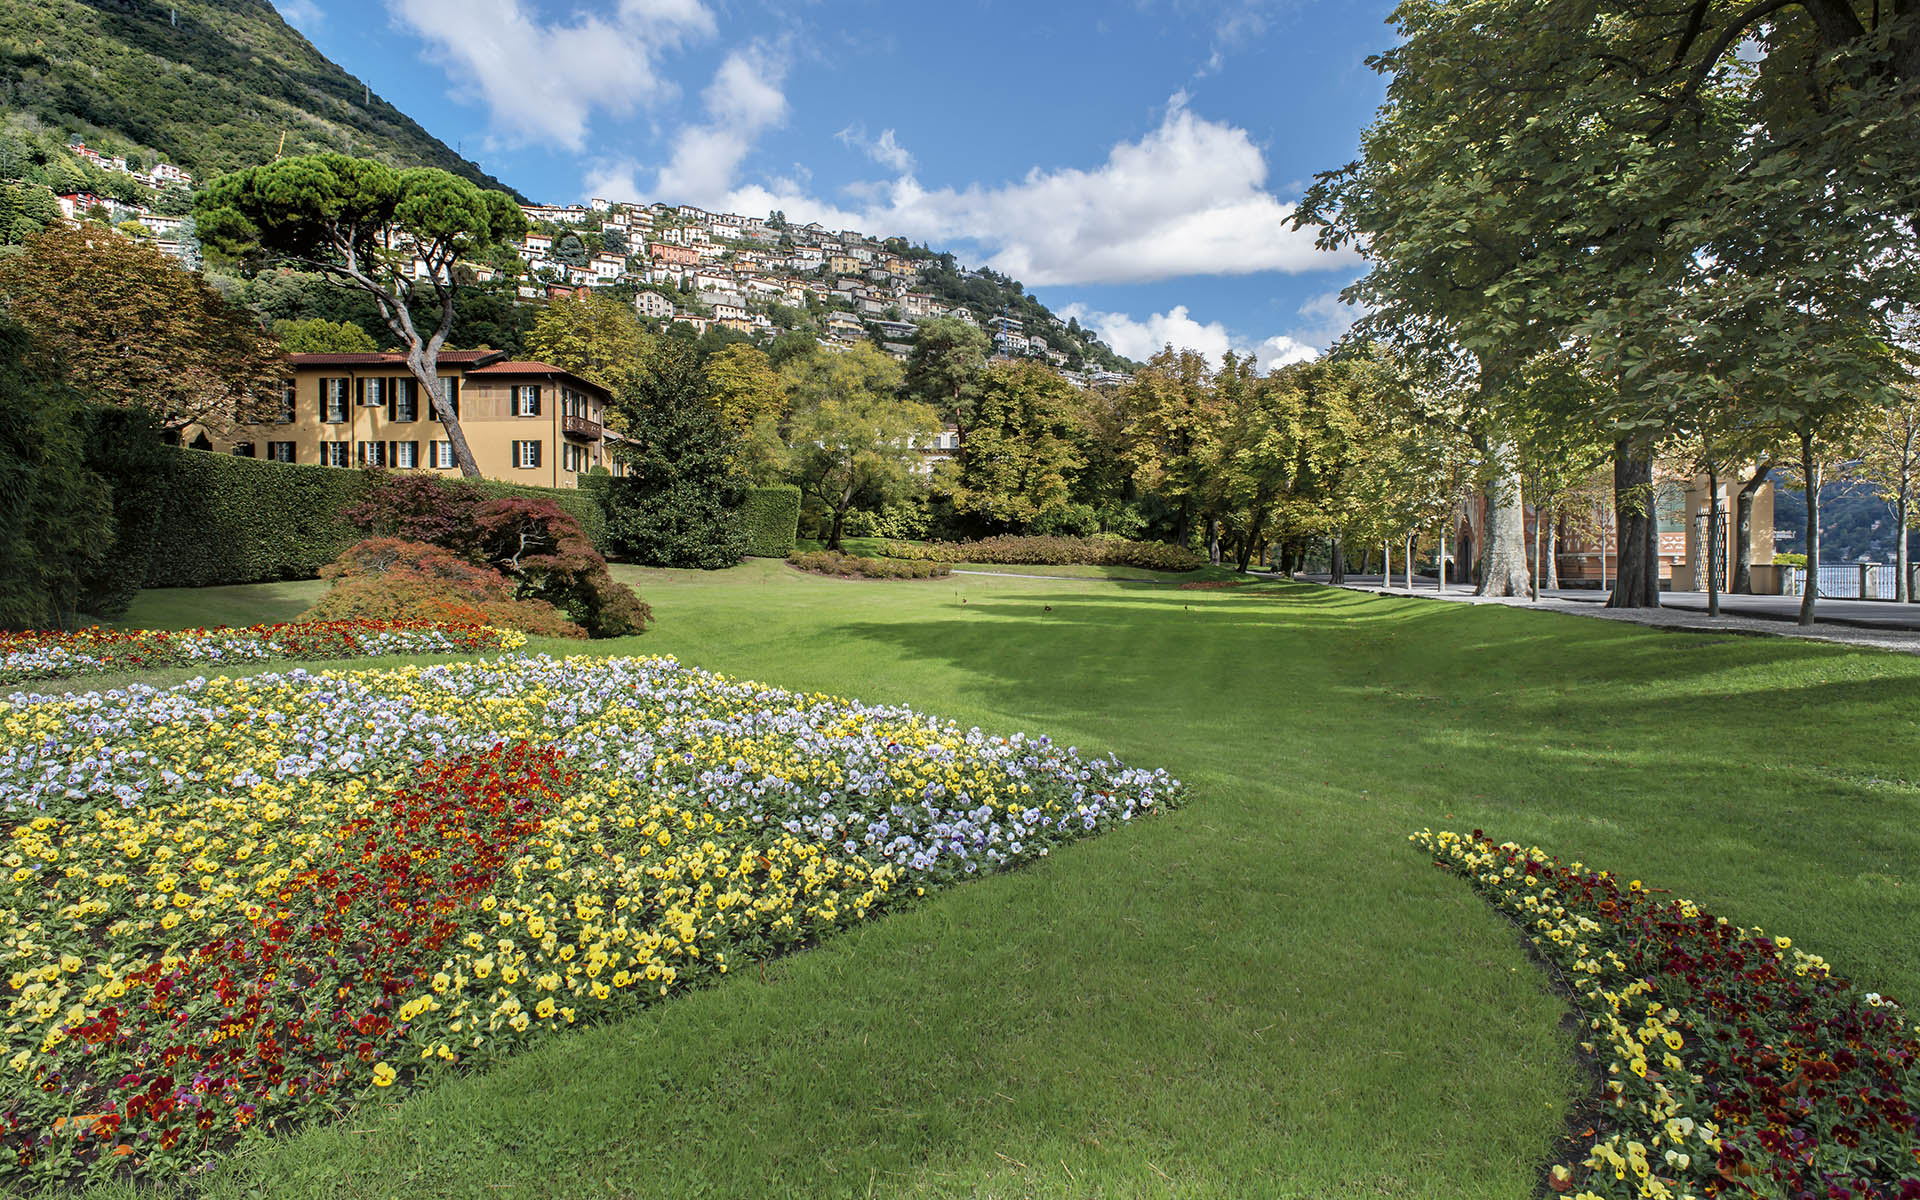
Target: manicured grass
column 195, row 608
column 877, row 548
column 1265, row 994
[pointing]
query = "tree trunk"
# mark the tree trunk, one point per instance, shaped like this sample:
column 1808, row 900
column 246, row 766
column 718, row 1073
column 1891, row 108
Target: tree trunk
column 1713, row 540
column 1213, row 540
column 1410, row 541
column 1504, row 548
column 1336, row 561
column 1903, row 512
column 1251, row 544
column 1637, row 569
column 1553, row 554
column 426, row 376
column 1743, row 529
column 1441, row 562
column 1810, row 595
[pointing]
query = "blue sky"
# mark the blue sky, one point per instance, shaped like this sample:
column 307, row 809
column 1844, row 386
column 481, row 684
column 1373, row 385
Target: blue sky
column 1132, row 162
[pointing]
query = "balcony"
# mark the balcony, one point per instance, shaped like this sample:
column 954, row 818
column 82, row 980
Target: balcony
column 581, row 427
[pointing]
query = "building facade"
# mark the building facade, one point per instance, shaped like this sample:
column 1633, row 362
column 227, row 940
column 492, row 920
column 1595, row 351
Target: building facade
column 525, row 422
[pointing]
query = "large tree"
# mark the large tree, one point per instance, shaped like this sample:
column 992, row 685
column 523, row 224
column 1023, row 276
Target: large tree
column 1172, row 409
column 133, row 329
column 944, row 370
column 747, row 391
column 677, row 505
column 849, row 436
column 373, row 228
column 1015, row 466
column 599, row 339
column 1639, row 175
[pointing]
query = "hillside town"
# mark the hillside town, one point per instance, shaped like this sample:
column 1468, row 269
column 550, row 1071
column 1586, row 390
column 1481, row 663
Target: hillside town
column 760, row 275
column 172, row 232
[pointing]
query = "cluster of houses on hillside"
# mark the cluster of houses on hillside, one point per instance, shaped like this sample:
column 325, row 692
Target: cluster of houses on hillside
column 691, row 267
column 706, row 269
column 172, row 235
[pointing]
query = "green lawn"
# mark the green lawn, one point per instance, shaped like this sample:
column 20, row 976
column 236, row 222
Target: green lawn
column 877, row 548
column 1265, row 994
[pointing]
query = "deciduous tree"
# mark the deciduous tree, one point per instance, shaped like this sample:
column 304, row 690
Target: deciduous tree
column 317, row 335
column 1015, row 465
column 849, row 434
column 132, row 328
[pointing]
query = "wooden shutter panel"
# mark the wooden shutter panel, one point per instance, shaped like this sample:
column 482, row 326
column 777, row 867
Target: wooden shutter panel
column 536, row 412
column 536, row 445
column 359, row 391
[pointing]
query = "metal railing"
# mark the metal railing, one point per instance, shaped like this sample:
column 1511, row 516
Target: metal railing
column 1846, row 581
column 580, row 427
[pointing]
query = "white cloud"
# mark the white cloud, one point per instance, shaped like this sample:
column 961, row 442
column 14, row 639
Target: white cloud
column 1189, row 198
column 743, row 101
column 1327, row 318
column 885, row 149
column 613, row 179
column 302, row 14
column 543, row 81
column 1142, row 339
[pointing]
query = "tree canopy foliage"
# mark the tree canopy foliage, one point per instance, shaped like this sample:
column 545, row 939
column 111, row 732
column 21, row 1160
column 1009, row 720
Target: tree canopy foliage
column 131, row 328
column 371, row 228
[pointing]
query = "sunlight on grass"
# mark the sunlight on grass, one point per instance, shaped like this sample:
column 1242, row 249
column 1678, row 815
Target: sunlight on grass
column 1265, row 994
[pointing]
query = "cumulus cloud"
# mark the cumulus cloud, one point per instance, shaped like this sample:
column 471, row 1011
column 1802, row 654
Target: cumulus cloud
column 1141, row 339
column 1189, row 198
column 743, row 101
column 885, row 149
column 615, row 179
column 544, row 80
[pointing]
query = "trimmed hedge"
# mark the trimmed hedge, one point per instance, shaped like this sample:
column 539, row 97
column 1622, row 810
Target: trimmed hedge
column 770, row 518
column 1055, row 551
column 227, row 519
column 850, row 566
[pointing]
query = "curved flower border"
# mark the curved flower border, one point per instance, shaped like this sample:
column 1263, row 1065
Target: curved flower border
column 1736, row 1064
column 95, row 650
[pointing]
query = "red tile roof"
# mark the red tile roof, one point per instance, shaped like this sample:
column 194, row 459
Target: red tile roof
column 449, row 358
column 523, row 368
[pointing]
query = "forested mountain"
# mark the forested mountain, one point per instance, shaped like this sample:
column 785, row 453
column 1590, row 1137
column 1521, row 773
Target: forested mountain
column 1855, row 523
column 209, row 85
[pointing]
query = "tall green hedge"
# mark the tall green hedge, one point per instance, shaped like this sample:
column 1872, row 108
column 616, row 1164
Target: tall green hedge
column 771, row 520
column 245, row 520
column 228, row 519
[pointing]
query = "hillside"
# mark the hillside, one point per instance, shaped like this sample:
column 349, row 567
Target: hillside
column 209, row 85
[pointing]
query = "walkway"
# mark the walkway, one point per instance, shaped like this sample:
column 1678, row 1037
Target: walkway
column 1881, row 624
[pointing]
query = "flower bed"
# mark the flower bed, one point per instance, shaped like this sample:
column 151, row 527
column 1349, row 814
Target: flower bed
column 847, row 566
column 40, row 655
column 1737, row 1065
column 238, row 902
column 1055, row 551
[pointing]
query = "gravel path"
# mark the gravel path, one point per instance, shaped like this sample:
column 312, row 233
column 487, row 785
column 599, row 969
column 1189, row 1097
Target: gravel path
column 1903, row 641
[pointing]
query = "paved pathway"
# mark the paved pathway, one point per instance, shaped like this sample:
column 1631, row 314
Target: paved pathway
column 1878, row 623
